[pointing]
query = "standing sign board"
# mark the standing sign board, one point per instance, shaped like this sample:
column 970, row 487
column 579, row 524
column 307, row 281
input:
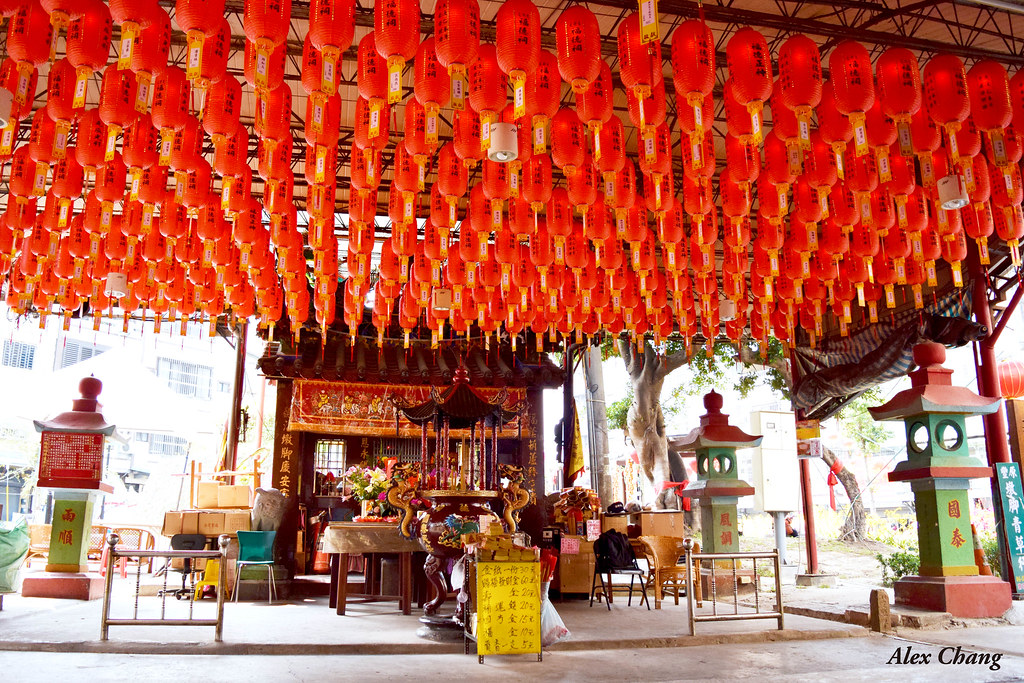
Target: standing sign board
column 507, row 608
column 1012, row 497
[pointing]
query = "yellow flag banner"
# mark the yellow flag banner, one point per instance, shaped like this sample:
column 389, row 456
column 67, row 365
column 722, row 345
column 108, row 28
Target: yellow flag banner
column 574, row 463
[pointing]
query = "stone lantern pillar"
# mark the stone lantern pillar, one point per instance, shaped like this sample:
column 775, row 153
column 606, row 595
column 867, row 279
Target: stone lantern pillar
column 71, row 463
column 939, row 470
column 718, row 487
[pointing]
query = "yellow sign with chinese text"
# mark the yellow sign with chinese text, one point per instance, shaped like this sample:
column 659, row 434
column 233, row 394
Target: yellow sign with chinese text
column 508, row 608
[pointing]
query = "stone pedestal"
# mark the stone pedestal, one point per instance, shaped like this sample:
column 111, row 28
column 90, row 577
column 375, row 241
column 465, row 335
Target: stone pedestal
column 961, row 596
column 939, row 469
column 67, row 564
column 66, row 585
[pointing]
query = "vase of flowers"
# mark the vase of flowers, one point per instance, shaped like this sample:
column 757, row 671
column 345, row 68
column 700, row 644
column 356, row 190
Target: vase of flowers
column 369, row 486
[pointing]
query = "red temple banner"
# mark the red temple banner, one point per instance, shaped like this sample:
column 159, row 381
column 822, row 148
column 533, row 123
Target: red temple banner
column 357, row 409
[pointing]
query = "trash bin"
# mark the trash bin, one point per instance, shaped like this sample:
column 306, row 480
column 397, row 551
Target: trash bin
column 13, row 551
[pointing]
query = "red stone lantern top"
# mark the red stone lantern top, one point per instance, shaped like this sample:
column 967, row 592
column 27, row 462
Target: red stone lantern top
column 71, row 452
column 84, row 415
column 932, row 391
column 715, row 431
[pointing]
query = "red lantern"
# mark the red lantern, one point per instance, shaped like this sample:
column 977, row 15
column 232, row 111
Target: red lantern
column 88, row 45
column 989, row 91
column 800, row 80
column 431, row 87
column 853, row 87
column 1011, row 379
column 568, row 146
column 518, row 46
column 457, row 42
column 543, row 95
column 331, row 28
column 170, row 107
column 487, row 90
column 29, row 38
column 594, row 106
column 92, row 140
column 693, row 68
column 578, row 41
column 899, row 90
column 117, row 104
column 224, row 106
column 945, row 96
column 640, row 66
column 750, row 71
column 149, row 57
column 396, row 24
column 266, row 24
column 130, row 16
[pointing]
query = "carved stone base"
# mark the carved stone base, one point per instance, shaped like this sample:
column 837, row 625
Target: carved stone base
column 440, row 628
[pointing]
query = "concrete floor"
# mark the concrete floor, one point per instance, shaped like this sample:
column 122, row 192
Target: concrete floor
column 304, row 640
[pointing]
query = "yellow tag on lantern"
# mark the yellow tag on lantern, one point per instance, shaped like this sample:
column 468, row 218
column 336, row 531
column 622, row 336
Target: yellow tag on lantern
column 143, row 80
column 431, row 132
column 264, row 47
column 7, row 137
column 128, row 30
column 458, row 86
column 519, row 93
column 225, row 193
column 860, row 132
column 904, row 138
column 648, row 21
column 82, row 75
column 374, row 119
column 540, row 137
column 321, row 163
column 395, row 65
column 111, row 147
column 329, row 70
column 884, row 168
column 39, row 179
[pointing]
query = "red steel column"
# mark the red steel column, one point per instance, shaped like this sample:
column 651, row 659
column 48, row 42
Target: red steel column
column 805, row 488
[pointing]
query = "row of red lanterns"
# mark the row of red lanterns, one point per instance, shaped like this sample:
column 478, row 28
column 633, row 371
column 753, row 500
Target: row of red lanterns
column 531, row 70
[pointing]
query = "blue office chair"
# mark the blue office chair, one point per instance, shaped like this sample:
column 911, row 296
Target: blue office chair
column 256, row 548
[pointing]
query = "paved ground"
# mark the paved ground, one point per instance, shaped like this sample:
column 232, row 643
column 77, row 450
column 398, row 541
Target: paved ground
column 850, row 659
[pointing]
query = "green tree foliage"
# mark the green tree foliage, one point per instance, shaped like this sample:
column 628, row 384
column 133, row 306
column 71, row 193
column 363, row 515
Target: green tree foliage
column 856, row 422
column 617, row 411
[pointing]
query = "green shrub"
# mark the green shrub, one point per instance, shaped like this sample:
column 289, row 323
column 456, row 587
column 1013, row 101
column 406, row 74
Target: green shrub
column 991, row 547
column 899, row 564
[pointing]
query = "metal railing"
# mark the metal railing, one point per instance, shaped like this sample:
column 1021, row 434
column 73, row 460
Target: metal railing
column 114, row 555
column 731, row 574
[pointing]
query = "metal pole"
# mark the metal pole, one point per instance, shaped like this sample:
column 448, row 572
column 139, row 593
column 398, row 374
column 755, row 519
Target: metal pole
column 231, row 457
column 567, row 413
column 805, row 486
column 780, row 534
column 997, row 445
column 808, row 505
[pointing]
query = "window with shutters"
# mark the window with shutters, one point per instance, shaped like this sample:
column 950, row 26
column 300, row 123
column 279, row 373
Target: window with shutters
column 75, row 352
column 18, row 355
column 164, row 444
column 187, row 379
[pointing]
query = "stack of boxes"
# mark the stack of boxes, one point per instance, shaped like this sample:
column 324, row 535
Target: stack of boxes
column 221, row 509
column 495, row 545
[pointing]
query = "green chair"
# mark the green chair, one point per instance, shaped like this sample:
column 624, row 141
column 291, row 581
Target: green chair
column 256, row 548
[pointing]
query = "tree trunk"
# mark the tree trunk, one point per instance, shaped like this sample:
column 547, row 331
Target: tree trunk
column 645, row 420
column 855, row 526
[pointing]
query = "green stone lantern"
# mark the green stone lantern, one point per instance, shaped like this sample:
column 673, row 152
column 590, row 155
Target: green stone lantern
column 719, row 486
column 939, row 470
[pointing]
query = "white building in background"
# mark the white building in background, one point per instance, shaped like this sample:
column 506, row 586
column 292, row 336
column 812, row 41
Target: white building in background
column 169, row 396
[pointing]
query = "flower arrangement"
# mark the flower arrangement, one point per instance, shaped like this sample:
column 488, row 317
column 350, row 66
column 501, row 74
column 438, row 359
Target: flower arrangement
column 370, row 485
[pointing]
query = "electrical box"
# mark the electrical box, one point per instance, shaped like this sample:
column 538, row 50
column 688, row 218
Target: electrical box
column 775, row 475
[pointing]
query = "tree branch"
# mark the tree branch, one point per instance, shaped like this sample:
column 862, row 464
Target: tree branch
column 628, row 357
column 781, row 365
column 676, row 360
column 650, row 362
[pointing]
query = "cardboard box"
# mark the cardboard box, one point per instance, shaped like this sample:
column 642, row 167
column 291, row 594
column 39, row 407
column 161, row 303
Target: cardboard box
column 206, row 494
column 617, row 522
column 576, row 572
column 211, row 523
column 233, row 497
column 237, row 520
column 662, row 523
column 172, row 523
column 189, row 522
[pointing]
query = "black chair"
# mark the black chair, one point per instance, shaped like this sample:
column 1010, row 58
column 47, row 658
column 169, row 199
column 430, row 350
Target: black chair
column 185, row 542
column 609, row 562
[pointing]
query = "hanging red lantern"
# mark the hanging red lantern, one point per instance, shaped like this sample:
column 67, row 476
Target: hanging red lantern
column 853, row 87
column 543, row 95
column 457, row 36
column 568, row 146
column 945, row 96
column 224, row 101
column 989, row 91
column 518, row 46
column 693, row 70
column 29, row 39
column 266, row 24
column 640, row 66
column 88, row 45
column 149, row 57
column 273, row 115
column 750, row 71
column 487, row 90
column 431, row 87
column 170, row 107
column 800, row 81
column 396, row 24
column 899, row 90
column 578, row 42
column 199, row 20
column 117, row 104
column 331, row 29
column 594, row 107
column 130, row 16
